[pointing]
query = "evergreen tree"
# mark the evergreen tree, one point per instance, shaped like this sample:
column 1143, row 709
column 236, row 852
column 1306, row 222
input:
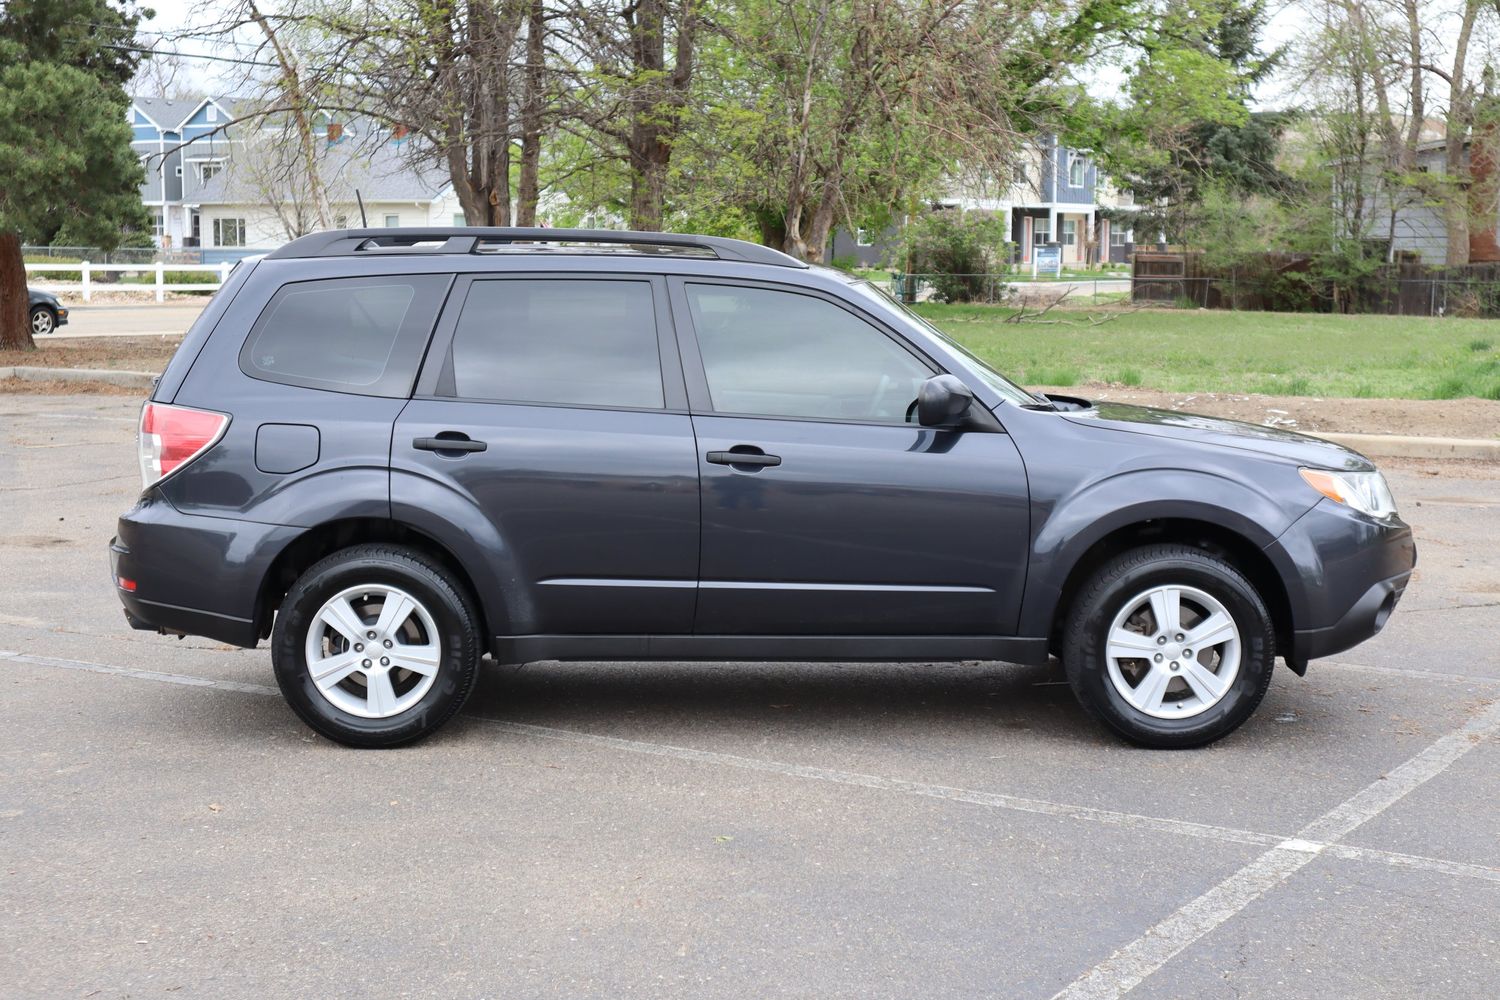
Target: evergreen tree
column 65, row 156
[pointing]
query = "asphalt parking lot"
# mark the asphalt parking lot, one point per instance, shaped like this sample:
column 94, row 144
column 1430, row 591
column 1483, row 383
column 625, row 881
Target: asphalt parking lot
column 168, row 827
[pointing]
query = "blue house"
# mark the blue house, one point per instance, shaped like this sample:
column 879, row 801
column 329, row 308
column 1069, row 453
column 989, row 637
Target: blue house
column 183, row 145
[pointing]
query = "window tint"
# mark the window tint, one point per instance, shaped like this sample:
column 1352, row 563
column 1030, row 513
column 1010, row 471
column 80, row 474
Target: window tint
column 565, row 341
column 361, row 335
column 782, row 354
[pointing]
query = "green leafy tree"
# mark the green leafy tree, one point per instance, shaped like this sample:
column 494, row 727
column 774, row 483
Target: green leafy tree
column 65, row 156
column 808, row 114
column 958, row 251
column 1185, row 126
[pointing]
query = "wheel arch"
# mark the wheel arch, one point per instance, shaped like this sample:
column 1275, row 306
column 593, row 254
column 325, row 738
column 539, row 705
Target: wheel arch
column 1213, row 513
column 329, row 537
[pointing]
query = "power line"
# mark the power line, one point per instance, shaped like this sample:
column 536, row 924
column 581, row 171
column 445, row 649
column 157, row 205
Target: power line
column 191, row 55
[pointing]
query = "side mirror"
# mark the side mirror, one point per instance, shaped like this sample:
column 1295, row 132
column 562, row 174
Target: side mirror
column 942, row 401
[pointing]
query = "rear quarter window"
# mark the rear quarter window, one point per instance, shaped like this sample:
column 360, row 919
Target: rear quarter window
column 357, row 335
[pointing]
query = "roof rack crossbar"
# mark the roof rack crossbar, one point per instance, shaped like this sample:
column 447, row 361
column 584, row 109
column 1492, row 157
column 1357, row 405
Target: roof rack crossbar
column 468, row 239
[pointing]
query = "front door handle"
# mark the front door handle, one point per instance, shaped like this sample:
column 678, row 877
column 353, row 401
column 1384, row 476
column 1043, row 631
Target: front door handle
column 450, row 441
column 744, row 454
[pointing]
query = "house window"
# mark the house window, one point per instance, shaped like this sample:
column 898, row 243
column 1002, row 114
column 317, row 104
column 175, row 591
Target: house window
column 211, row 113
column 392, row 221
column 177, row 170
column 209, row 169
column 1119, row 237
column 158, row 225
column 1018, row 174
column 863, row 238
column 1040, row 234
column 229, row 232
column 1077, row 170
column 1070, row 232
column 196, row 227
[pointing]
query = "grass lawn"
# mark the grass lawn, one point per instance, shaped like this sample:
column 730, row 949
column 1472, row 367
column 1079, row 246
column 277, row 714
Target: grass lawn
column 1281, row 354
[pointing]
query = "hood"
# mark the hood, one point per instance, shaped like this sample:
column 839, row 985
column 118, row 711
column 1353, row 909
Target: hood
column 1192, row 427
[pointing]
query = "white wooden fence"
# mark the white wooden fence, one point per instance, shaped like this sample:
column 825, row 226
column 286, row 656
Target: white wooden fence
column 87, row 270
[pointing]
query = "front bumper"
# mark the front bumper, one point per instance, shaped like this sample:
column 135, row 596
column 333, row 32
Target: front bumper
column 1352, row 572
column 187, row 574
column 62, row 316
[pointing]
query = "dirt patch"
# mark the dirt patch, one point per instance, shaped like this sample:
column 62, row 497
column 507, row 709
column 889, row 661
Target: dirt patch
column 1454, row 418
column 57, row 387
column 135, row 354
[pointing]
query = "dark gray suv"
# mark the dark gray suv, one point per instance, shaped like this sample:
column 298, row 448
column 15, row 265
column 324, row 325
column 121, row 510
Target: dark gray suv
column 394, row 451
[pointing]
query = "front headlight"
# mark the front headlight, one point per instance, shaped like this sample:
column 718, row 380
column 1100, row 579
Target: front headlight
column 1366, row 492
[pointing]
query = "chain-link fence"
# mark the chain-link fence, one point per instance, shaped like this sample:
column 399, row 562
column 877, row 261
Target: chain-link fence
column 141, row 255
column 1288, row 284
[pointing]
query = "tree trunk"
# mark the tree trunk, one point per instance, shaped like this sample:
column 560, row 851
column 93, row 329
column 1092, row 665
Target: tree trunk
column 292, row 81
column 821, row 225
column 648, row 179
column 1457, row 195
column 528, row 188
column 15, row 320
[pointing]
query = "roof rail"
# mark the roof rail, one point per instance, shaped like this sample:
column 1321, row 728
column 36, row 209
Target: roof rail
column 472, row 239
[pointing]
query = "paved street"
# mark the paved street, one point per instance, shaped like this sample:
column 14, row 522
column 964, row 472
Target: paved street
column 134, row 320
column 168, row 828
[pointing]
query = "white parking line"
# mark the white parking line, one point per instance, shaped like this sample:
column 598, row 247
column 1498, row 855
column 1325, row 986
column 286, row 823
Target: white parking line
column 1129, row 966
column 1303, row 847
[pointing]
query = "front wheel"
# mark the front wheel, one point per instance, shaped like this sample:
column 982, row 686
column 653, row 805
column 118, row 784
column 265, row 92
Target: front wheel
column 42, row 321
column 1169, row 646
column 376, row 646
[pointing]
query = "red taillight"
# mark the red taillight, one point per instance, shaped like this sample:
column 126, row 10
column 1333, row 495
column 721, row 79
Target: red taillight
column 126, row 583
column 172, row 436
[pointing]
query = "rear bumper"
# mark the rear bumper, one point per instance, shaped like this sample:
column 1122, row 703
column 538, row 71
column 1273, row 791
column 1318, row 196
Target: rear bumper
column 192, row 575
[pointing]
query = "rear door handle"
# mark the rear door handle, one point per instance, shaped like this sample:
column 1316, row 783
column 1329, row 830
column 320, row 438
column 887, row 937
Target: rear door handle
column 743, row 454
column 448, row 441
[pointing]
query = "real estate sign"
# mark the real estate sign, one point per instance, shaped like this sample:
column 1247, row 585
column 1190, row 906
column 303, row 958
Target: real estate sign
column 1047, row 259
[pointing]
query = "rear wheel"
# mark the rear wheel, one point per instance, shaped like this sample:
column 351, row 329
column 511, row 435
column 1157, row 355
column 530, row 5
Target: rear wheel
column 376, row 646
column 43, row 321
column 1169, row 646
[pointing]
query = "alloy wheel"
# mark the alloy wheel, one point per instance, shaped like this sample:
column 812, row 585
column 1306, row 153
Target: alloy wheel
column 1173, row 651
column 373, row 651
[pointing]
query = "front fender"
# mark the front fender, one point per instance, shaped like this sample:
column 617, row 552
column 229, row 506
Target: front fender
column 1080, row 520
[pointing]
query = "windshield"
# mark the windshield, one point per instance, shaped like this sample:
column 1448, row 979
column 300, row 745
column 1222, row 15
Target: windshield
column 885, row 303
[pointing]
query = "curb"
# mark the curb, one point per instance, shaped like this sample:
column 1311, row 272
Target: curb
column 1404, row 446
column 129, row 380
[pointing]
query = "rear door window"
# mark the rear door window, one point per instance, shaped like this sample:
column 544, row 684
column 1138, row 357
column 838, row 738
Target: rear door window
column 359, row 335
column 560, row 341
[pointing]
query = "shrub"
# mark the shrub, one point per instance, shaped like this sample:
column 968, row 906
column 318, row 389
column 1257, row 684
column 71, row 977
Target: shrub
column 45, row 276
column 960, row 253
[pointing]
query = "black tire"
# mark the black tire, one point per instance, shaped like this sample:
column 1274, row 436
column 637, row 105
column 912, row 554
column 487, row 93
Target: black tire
column 43, row 321
column 443, row 597
column 1114, row 586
